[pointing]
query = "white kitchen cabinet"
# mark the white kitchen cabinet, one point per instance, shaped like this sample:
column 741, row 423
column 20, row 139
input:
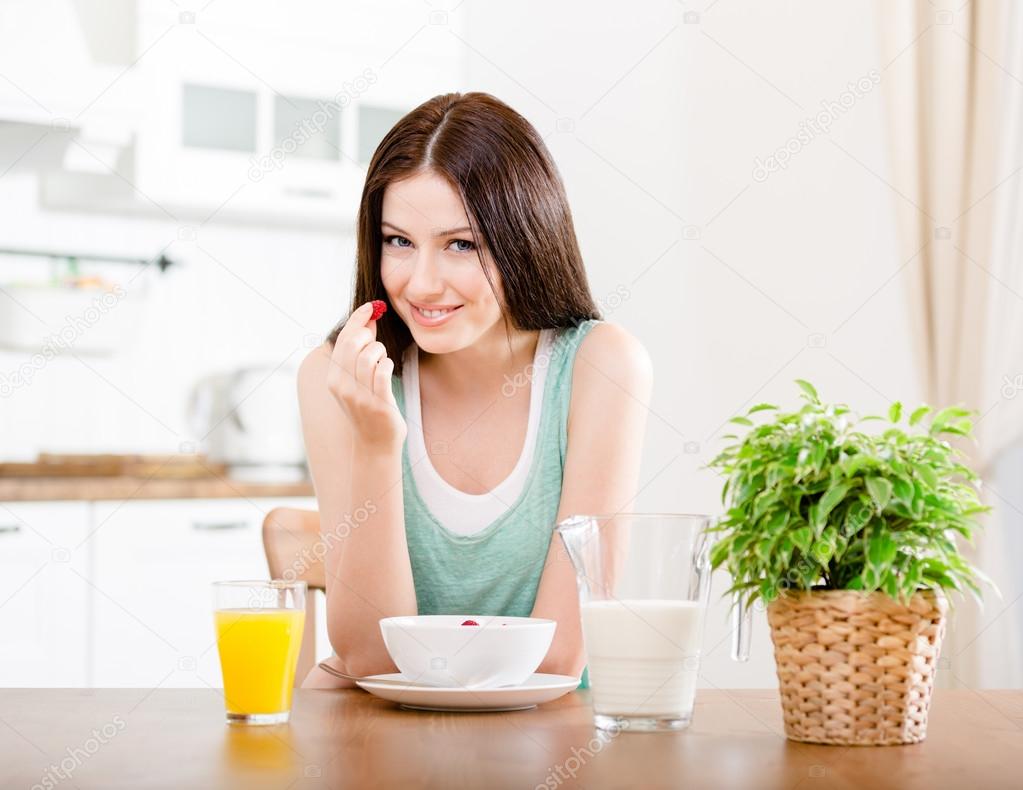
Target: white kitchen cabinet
column 153, row 564
column 44, row 595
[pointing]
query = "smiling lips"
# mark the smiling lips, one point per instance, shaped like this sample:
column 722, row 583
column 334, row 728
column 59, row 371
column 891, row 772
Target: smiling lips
column 433, row 316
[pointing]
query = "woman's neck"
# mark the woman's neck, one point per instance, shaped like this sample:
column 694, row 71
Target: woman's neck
column 487, row 364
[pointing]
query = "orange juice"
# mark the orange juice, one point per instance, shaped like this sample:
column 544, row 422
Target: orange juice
column 258, row 652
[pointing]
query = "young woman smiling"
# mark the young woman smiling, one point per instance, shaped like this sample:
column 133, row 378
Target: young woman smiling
column 488, row 403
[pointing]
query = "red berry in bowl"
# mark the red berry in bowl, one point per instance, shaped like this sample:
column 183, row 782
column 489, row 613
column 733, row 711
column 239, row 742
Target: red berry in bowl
column 470, row 622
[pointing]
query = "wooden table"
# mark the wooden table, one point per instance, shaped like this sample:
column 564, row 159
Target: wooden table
column 138, row 738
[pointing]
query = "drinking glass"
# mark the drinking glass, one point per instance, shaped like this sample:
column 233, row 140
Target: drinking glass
column 259, row 633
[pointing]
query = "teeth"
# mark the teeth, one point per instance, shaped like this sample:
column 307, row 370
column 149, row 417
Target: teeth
column 433, row 313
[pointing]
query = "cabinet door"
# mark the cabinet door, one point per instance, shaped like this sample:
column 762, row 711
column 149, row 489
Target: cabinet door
column 154, row 564
column 44, row 595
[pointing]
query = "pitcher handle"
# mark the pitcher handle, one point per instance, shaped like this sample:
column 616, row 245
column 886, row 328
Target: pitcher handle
column 742, row 627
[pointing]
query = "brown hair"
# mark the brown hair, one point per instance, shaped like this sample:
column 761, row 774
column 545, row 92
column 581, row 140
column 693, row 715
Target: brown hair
column 514, row 199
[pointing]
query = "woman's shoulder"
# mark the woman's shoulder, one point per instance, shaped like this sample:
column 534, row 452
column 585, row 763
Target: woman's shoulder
column 313, row 367
column 613, row 351
column 314, row 399
column 612, row 381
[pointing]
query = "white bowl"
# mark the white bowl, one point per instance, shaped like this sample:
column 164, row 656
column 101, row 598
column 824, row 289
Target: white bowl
column 439, row 651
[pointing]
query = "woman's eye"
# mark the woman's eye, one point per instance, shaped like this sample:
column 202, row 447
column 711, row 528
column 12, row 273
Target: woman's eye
column 462, row 245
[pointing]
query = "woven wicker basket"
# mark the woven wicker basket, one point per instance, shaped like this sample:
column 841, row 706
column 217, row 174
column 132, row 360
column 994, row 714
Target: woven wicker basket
column 856, row 669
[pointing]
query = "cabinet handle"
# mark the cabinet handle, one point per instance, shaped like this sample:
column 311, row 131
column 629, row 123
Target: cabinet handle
column 214, row 526
column 10, row 528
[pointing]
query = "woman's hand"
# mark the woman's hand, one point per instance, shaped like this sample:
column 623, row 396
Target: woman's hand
column 359, row 378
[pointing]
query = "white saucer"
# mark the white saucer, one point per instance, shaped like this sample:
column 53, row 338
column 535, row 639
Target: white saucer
column 537, row 689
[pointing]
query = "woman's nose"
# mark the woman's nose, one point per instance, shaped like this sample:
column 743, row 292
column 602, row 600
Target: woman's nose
column 426, row 276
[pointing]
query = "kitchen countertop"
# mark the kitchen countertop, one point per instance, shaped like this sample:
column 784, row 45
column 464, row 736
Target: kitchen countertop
column 138, row 738
column 24, row 489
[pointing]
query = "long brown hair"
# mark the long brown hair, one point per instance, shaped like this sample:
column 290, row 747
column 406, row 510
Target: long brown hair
column 514, row 199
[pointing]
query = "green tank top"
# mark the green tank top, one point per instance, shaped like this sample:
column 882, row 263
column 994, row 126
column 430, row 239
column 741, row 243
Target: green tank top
column 496, row 571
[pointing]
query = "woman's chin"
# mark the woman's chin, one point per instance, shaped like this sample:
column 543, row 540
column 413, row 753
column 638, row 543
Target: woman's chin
column 430, row 344
column 449, row 336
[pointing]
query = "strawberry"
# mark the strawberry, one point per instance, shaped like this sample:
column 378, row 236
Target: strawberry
column 470, row 622
column 379, row 308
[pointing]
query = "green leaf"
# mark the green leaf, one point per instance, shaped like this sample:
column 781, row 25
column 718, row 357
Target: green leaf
column 918, row 414
column 776, row 522
column 824, row 547
column 785, row 546
column 740, row 544
column 880, row 491
column 762, row 503
column 807, row 387
column 871, row 578
column 903, row 490
column 895, row 412
column 741, row 421
column 818, row 454
column 803, row 538
column 831, row 498
column 762, row 407
column 857, row 462
column 881, row 551
column 941, row 419
column 927, row 475
column 719, row 553
column 948, row 413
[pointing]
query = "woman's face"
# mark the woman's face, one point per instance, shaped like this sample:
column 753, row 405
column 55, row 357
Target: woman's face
column 428, row 260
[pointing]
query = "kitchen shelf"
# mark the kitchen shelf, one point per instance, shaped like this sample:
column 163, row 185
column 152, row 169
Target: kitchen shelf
column 93, row 489
column 108, row 194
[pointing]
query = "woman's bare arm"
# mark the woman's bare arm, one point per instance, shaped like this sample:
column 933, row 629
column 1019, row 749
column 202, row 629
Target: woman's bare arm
column 359, row 495
column 612, row 380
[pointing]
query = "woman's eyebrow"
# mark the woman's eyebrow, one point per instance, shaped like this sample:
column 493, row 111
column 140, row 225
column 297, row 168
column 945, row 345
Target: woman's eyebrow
column 436, row 233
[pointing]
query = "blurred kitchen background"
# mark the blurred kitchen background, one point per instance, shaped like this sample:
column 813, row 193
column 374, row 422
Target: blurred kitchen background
column 762, row 191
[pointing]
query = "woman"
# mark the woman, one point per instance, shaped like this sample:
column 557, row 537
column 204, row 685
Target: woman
column 489, row 402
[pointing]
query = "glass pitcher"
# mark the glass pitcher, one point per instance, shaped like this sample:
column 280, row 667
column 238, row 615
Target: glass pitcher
column 644, row 585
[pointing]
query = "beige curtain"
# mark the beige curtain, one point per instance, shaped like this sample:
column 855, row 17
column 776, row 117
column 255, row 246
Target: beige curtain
column 953, row 87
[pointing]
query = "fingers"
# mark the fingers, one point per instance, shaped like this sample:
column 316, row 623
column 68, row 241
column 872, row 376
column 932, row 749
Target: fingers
column 382, row 380
column 357, row 332
column 360, row 316
column 366, row 365
column 358, row 323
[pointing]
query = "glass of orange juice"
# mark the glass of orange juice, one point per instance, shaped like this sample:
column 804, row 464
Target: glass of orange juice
column 259, row 632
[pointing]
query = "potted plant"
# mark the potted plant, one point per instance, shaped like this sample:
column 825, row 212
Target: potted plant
column 849, row 539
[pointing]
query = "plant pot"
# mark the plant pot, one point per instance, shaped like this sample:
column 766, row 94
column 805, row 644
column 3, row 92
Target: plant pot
column 856, row 669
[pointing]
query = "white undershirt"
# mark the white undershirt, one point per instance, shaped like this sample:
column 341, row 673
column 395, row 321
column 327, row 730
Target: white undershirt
column 460, row 512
